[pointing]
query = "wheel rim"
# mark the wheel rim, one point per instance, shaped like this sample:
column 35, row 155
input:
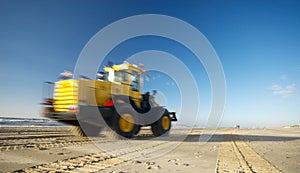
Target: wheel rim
column 165, row 123
column 126, row 123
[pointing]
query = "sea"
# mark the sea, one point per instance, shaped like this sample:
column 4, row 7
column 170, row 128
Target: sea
column 27, row 122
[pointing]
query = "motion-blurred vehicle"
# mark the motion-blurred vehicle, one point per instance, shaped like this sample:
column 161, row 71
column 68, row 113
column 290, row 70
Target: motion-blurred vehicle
column 114, row 99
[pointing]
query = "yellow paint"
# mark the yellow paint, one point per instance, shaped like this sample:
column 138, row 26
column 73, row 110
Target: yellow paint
column 65, row 94
column 126, row 123
column 61, row 110
column 165, row 123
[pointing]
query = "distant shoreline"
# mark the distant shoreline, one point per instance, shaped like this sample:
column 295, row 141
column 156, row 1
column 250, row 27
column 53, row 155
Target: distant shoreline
column 27, row 122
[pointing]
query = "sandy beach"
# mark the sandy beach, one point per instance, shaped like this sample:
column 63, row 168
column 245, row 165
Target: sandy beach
column 45, row 149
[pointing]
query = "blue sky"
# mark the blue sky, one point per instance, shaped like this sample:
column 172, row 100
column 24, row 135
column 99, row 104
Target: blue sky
column 257, row 43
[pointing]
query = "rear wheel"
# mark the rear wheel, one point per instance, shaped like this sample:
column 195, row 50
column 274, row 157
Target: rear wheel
column 161, row 126
column 124, row 124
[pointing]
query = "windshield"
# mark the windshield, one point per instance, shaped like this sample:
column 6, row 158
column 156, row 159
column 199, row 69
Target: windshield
column 121, row 76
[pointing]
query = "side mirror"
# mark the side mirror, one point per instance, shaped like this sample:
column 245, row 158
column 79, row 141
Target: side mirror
column 154, row 92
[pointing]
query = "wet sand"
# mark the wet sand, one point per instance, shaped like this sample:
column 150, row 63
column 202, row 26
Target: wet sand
column 44, row 149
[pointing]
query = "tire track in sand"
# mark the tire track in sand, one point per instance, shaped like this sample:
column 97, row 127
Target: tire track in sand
column 96, row 162
column 39, row 138
column 49, row 142
column 235, row 155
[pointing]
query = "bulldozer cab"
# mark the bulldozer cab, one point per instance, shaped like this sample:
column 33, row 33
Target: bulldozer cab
column 127, row 76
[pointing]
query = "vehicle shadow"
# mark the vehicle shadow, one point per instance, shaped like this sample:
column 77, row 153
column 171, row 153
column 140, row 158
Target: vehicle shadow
column 215, row 138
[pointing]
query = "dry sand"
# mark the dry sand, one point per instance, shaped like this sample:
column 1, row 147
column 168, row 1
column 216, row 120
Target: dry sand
column 229, row 150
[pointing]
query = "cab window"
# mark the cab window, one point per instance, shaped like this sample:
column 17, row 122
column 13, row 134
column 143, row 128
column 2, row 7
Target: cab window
column 121, row 76
column 135, row 81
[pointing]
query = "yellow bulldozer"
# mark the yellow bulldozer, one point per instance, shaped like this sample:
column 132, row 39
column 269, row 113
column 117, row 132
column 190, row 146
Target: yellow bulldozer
column 113, row 100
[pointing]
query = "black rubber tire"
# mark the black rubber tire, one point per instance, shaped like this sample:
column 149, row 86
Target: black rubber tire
column 137, row 130
column 116, row 127
column 157, row 128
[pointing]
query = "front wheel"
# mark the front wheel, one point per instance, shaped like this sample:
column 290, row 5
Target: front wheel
column 161, row 126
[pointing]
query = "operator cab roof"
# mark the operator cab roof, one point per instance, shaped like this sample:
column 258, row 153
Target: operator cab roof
column 125, row 66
